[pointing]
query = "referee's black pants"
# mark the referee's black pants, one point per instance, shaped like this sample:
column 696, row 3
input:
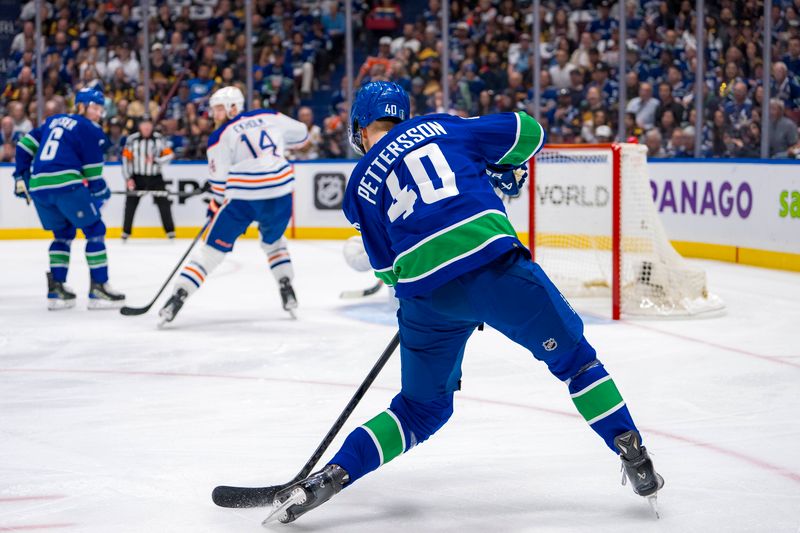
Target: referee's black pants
column 149, row 183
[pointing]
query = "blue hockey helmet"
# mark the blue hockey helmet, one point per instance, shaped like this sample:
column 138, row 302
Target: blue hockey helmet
column 89, row 95
column 374, row 101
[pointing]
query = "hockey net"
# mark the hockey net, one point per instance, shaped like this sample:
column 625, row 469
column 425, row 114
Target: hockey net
column 595, row 230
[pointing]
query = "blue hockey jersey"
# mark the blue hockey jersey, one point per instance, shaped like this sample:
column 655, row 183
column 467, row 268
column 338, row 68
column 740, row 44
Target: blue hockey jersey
column 65, row 150
column 423, row 203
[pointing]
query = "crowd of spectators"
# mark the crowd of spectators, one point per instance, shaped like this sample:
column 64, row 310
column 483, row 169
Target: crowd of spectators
column 197, row 46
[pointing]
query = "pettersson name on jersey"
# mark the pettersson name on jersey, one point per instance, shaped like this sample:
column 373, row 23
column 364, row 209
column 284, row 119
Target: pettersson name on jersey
column 370, row 181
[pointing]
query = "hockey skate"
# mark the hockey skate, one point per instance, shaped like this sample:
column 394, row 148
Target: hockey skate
column 102, row 296
column 173, row 305
column 59, row 296
column 287, row 296
column 293, row 502
column 638, row 468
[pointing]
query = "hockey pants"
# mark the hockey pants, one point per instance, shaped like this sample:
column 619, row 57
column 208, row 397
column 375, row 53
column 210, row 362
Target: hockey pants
column 514, row 296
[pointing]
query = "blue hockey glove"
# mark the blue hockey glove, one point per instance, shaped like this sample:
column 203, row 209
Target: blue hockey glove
column 508, row 178
column 100, row 192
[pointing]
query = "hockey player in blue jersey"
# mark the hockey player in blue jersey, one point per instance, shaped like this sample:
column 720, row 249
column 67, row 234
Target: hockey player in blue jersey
column 432, row 226
column 60, row 165
column 250, row 180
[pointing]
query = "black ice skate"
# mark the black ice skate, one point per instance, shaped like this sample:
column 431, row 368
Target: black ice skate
column 102, row 296
column 638, row 468
column 293, row 502
column 173, row 305
column 58, row 295
column 287, row 296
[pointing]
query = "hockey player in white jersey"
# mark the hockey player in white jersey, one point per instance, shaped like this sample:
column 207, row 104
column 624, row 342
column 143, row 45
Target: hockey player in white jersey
column 250, row 180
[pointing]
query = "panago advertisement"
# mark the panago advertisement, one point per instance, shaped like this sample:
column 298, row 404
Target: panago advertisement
column 743, row 211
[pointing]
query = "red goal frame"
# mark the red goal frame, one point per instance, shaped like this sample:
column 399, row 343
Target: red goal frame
column 616, row 205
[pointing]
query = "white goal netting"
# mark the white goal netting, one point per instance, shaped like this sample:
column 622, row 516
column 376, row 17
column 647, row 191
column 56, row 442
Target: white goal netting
column 572, row 193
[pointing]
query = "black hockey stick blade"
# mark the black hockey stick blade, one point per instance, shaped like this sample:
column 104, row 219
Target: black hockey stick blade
column 135, row 311
column 363, row 292
column 239, row 497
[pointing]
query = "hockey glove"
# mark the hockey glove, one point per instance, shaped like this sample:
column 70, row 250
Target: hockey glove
column 99, row 191
column 356, row 255
column 508, row 178
column 213, row 207
column 21, row 186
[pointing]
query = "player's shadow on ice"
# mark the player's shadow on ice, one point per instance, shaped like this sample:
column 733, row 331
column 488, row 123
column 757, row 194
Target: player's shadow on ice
column 354, row 515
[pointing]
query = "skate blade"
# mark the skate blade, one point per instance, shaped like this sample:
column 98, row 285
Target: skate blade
column 292, row 314
column 58, row 305
column 97, row 304
column 278, row 513
column 653, row 501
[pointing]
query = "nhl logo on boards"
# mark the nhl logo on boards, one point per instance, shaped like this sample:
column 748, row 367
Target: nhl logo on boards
column 550, row 344
column 329, row 190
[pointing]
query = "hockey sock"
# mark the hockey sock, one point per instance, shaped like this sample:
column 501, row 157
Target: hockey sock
column 197, row 269
column 600, row 403
column 394, row 431
column 278, row 257
column 97, row 258
column 59, row 259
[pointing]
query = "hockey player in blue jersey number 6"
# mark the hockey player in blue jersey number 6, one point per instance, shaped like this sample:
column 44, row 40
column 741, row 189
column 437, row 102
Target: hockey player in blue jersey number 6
column 53, row 162
column 433, row 227
column 250, row 180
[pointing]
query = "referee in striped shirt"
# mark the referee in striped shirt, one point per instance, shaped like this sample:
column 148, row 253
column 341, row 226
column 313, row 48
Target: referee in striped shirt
column 144, row 154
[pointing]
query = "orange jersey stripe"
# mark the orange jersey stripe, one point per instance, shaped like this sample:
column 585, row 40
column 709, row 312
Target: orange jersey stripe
column 265, row 180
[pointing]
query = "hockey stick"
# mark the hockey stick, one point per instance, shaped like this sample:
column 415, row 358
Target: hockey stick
column 196, row 192
column 135, row 311
column 238, row 497
column 363, row 292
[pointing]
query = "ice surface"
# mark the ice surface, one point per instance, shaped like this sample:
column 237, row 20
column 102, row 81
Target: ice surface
column 108, row 424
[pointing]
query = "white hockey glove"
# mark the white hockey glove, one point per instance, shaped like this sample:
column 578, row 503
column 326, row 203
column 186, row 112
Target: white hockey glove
column 355, row 255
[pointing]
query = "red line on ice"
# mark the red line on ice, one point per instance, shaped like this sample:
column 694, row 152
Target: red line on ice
column 8, row 499
column 700, row 444
column 772, row 359
column 731, row 453
column 32, row 527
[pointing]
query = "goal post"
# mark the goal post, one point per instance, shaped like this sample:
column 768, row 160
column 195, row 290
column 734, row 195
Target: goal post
column 594, row 229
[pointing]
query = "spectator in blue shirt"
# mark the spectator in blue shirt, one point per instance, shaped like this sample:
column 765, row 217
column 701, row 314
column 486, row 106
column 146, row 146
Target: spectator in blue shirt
column 200, row 87
column 602, row 26
column 739, row 108
column 300, row 61
column 792, row 58
column 784, row 87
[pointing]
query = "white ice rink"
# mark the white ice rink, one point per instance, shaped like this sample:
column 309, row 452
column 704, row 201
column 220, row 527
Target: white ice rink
column 108, row 424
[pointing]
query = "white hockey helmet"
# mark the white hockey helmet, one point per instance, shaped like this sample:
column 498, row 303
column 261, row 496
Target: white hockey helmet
column 228, row 97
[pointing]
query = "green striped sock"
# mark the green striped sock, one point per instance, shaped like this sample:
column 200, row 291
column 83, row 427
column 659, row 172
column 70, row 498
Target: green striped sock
column 598, row 400
column 59, row 259
column 387, row 435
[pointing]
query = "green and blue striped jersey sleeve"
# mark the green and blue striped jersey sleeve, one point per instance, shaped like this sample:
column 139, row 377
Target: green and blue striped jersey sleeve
column 507, row 138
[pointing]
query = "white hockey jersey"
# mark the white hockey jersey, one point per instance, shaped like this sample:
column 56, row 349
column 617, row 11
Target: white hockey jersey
column 246, row 155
